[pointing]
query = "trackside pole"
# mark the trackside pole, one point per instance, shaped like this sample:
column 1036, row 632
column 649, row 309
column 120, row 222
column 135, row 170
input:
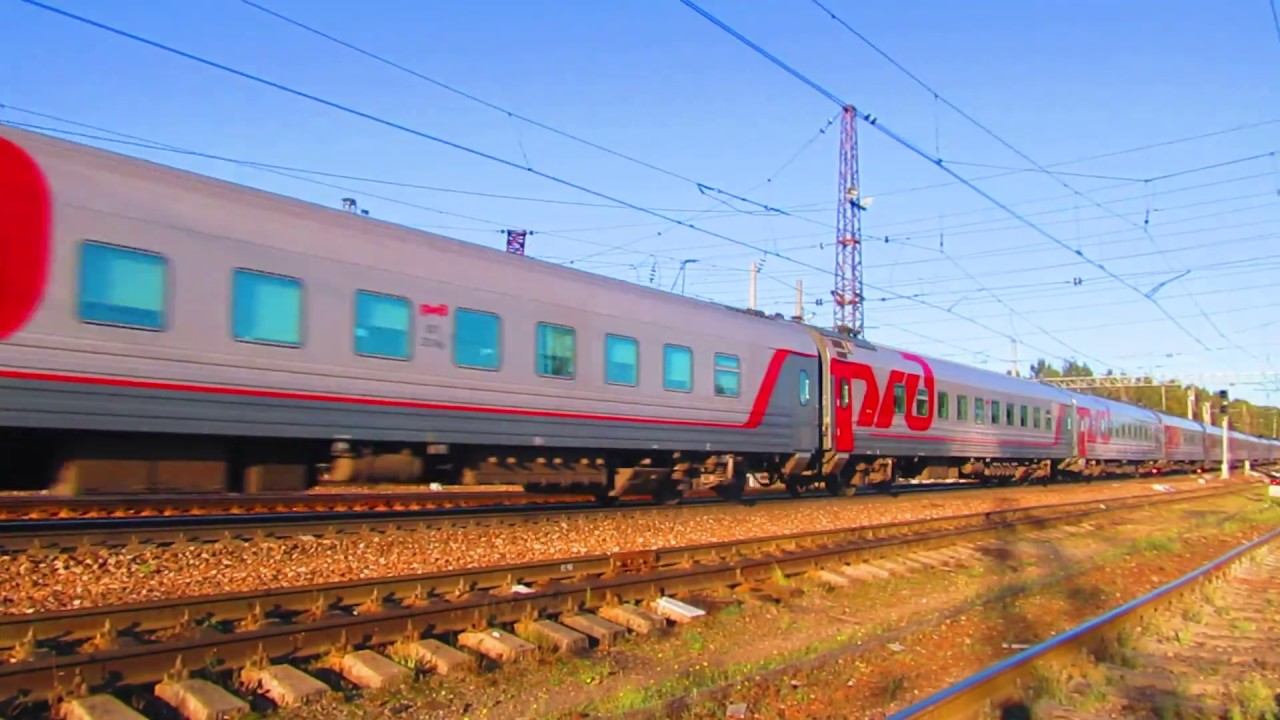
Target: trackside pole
column 1226, row 462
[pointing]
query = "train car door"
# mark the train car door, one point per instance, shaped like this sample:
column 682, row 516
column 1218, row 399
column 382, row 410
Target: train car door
column 842, row 377
column 1081, row 419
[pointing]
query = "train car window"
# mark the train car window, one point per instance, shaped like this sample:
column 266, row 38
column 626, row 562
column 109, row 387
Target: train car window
column 806, row 390
column 979, row 410
column 677, row 368
column 844, row 392
column 899, row 398
column 995, row 412
column 1008, row 414
column 621, row 360
column 922, row 402
column 1070, row 425
column 944, row 410
column 962, row 407
column 123, row 287
column 1035, row 418
column 383, row 326
column 557, row 350
column 1048, row 419
column 1022, row 416
column 728, row 371
column 477, row 339
column 266, row 308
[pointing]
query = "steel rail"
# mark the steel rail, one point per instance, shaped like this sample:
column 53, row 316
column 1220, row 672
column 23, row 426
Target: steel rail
column 17, row 507
column 131, row 645
column 160, row 505
column 52, row 536
column 1002, row 687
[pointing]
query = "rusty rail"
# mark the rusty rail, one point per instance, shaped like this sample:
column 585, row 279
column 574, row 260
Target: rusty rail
column 107, row 648
column 1002, row 687
column 343, row 518
column 159, row 505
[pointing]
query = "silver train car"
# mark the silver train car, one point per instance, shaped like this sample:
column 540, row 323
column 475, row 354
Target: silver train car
column 161, row 331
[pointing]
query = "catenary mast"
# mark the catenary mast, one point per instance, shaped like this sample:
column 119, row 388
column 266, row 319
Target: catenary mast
column 848, row 288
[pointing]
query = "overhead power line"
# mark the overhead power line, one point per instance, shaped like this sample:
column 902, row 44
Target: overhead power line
column 1009, row 146
column 702, row 187
column 252, row 77
column 1006, row 144
column 942, row 98
column 1100, row 156
column 346, row 176
column 875, row 123
column 468, row 150
column 1275, row 18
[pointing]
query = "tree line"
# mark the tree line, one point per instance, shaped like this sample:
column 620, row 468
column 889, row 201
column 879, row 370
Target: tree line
column 1171, row 398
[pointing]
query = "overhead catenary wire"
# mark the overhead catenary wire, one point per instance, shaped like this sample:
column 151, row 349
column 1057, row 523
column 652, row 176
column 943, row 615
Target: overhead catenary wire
column 702, row 187
column 255, row 78
column 906, row 235
column 354, row 178
column 146, row 143
column 1275, row 18
column 430, row 137
column 1091, row 158
column 131, row 140
column 889, row 132
column 939, row 97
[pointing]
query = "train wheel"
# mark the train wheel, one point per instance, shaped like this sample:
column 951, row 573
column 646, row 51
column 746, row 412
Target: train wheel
column 668, row 493
column 838, row 486
column 737, row 485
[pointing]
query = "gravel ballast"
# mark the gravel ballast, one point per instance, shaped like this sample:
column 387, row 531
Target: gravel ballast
column 108, row 576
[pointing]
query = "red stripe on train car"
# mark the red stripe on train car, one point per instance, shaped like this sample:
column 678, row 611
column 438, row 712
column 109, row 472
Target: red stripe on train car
column 24, row 236
column 758, row 408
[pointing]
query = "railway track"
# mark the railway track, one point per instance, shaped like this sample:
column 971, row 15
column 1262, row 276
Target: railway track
column 252, row 641
column 1200, row 646
column 68, row 534
column 35, row 506
column 45, row 531
column 45, row 508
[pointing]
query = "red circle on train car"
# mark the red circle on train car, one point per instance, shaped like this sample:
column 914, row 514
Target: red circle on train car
column 24, row 236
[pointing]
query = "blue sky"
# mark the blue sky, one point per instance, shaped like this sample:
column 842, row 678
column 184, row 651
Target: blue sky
column 650, row 78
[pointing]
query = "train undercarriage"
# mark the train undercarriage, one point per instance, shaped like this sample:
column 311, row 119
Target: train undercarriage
column 118, row 463
column 84, row 463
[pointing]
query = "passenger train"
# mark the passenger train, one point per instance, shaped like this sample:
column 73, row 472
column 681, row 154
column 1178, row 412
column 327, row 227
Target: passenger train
column 161, row 331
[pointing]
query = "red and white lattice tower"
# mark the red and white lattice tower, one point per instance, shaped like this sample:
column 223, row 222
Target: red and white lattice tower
column 848, row 290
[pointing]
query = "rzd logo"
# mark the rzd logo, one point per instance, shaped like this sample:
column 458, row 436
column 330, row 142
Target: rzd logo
column 876, row 409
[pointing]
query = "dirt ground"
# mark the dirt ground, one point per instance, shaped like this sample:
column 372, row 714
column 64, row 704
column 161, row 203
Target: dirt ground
column 849, row 652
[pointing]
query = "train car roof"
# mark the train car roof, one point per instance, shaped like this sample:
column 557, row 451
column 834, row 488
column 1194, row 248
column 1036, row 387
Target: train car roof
column 381, row 239
column 1181, row 422
column 955, row 371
